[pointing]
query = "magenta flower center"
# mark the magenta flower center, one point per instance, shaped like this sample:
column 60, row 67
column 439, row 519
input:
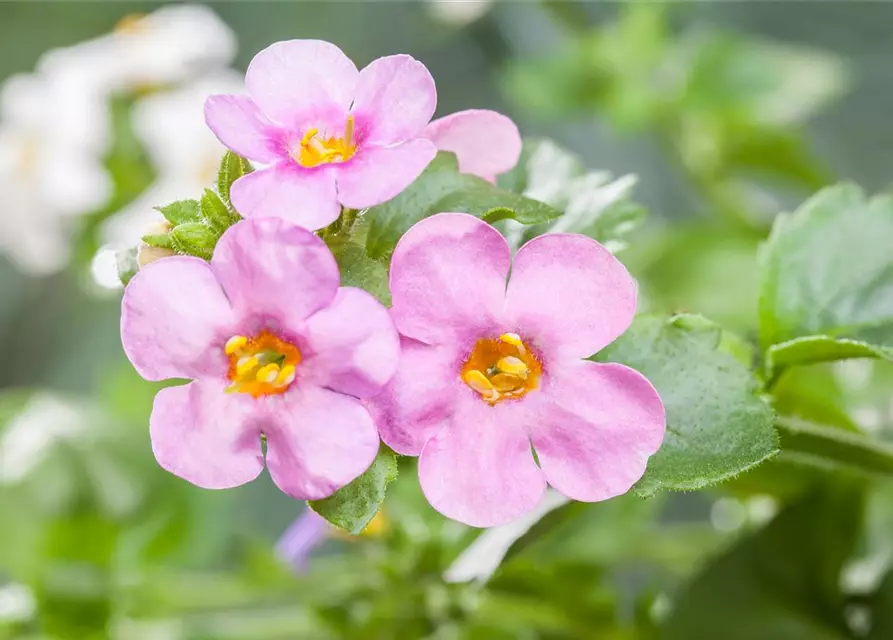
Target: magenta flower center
column 316, row 149
column 501, row 368
column 262, row 365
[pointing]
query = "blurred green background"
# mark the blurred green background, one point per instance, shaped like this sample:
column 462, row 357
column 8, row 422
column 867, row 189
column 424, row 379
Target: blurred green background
column 727, row 112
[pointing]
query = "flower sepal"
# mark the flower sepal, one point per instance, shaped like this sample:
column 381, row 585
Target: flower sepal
column 194, row 239
column 354, row 506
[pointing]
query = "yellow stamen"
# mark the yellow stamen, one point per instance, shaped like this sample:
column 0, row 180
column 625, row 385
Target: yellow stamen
column 267, row 373
column 286, row 375
column 305, row 141
column 512, row 365
column 506, row 382
column 246, row 364
column 515, row 340
column 234, row 344
column 479, row 382
column 348, row 131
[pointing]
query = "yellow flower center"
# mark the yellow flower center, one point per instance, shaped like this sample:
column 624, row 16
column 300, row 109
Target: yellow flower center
column 502, row 368
column 261, row 366
column 316, row 149
column 131, row 24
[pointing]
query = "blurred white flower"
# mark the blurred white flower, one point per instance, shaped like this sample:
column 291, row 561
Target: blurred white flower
column 459, row 12
column 183, row 150
column 52, row 136
column 170, row 45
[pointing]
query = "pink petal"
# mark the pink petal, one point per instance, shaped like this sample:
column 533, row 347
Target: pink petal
column 479, row 470
column 596, row 430
column 274, row 271
column 395, row 98
column 305, row 197
column 352, row 345
column 318, row 442
column 377, row 174
column 205, row 435
column 486, row 143
column 291, row 79
column 175, row 319
column 448, row 278
column 569, row 295
column 242, row 127
column 419, row 399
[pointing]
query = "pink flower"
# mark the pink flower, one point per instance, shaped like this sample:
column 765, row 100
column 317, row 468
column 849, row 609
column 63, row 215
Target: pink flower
column 486, row 143
column 331, row 135
column 487, row 370
column 275, row 348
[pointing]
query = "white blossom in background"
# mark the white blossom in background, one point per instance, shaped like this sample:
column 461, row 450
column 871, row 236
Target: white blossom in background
column 52, row 138
column 168, row 46
column 459, row 12
column 182, row 149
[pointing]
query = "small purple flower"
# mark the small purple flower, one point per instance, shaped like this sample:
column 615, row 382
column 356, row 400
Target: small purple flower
column 306, row 533
column 331, row 135
column 274, row 347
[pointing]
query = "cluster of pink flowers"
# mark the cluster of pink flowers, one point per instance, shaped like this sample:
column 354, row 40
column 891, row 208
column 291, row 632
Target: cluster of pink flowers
column 485, row 382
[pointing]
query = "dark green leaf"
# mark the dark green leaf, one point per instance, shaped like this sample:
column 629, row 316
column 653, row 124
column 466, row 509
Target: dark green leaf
column 827, row 270
column 359, row 270
column 781, row 582
column 882, row 611
column 717, row 425
column 232, row 167
column 832, row 446
column 814, row 349
column 215, row 213
column 441, row 188
column 354, row 506
column 181, row 211
column 194, row 239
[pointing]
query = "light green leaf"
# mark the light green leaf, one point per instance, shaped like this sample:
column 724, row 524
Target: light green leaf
column 181, row 211
column 827, row 270
column 232, row 167
column 441, row 188
column 831, row 447
column 353, row 507
column 359, row 270
column 159, row 240
column 215, row 213
column 717, row 425
column 194, row 239
column 781, row 582
column 814, row 349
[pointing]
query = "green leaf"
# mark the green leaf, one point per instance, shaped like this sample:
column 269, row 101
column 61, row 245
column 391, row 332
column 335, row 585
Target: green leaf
column 882, row 611
column 232, row 167
column 353, row 507
column 827, row 270
column 442, row 188
column 781, row 582
column 160, row 240
column 194, row 239
column 832, row 447
column 717, row 425
column 359, row 270
column 215, row 213
column 814, row 349
column 127, row 261
column 181, row 211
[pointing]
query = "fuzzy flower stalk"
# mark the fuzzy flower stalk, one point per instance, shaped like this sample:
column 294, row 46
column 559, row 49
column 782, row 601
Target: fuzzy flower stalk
column 493, row 391
column 278, row 354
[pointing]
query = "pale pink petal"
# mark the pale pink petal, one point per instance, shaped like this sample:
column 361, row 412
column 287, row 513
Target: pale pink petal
column 395, row 98
column 175, row 319
column 448, row 277
column 207, row 436
column 595, row 429
column 479, row 469
column 352, row 346
column 305, row 197
column 377, row 174
column 242, row 127
column 274, row 271
column 318, row 441
column 291, row 79
column 569, row 295
column 419, row 399
column 486, row 143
